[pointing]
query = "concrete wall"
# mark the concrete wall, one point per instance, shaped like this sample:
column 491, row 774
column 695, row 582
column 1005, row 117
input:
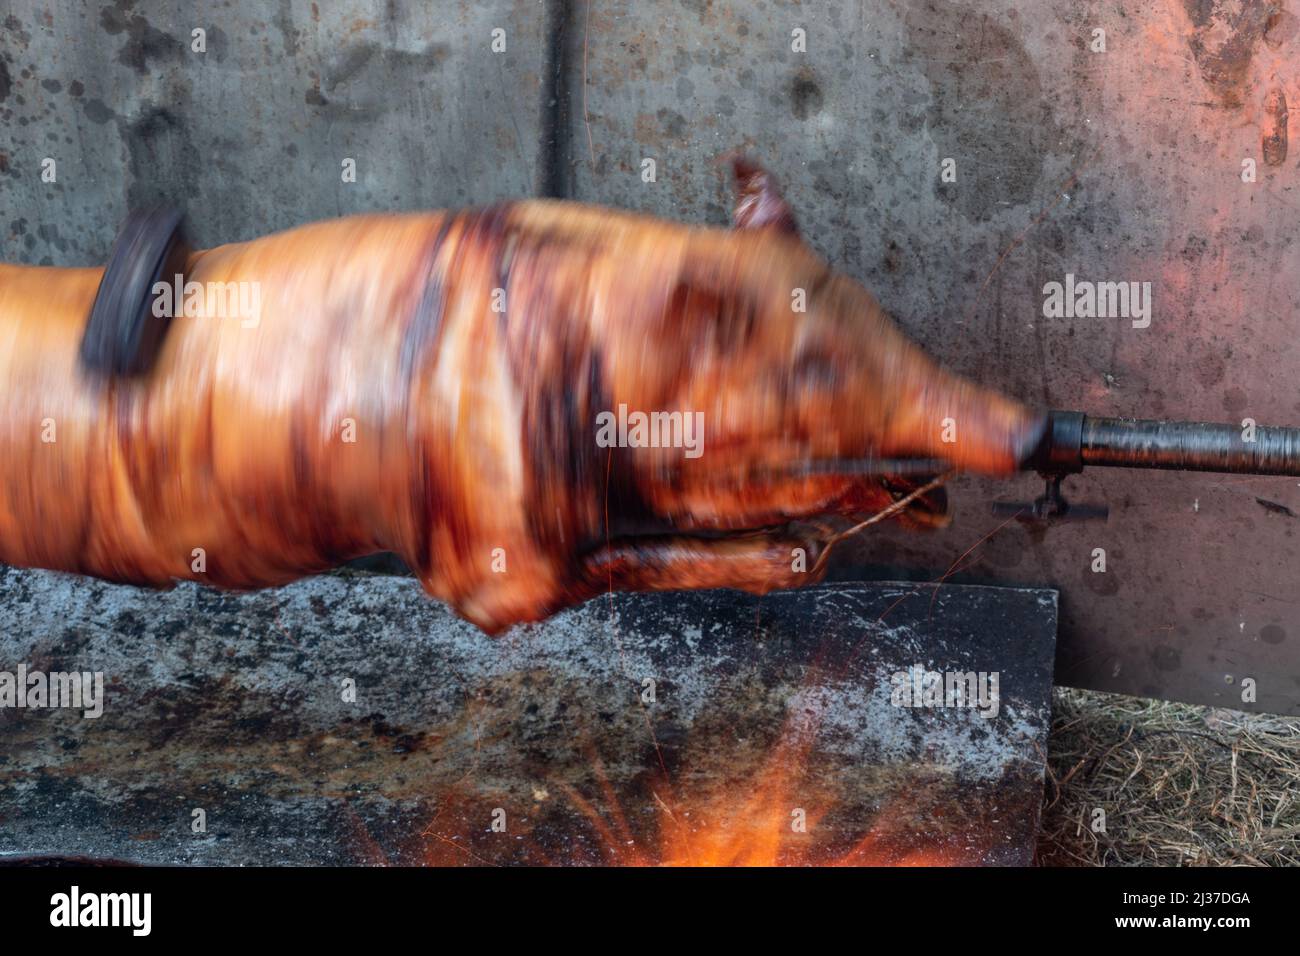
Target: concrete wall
column 1123, row 165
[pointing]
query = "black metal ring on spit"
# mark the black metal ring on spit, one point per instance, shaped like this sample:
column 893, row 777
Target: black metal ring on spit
column 123, row 334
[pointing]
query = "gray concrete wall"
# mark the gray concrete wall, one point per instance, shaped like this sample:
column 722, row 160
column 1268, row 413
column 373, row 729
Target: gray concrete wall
column 250, row 135
column 1123, row 165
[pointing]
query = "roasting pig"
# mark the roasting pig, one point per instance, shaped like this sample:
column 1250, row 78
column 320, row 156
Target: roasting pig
column 530, row 403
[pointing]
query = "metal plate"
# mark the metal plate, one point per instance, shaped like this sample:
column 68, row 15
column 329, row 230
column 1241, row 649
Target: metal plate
column 762, row 713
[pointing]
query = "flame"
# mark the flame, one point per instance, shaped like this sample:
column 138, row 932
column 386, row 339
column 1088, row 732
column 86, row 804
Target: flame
column 751, row 830
column 766, row 824
column 771, row 819
column 773, row 816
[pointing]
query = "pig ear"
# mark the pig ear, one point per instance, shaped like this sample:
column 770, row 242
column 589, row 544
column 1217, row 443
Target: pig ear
column 759, row 203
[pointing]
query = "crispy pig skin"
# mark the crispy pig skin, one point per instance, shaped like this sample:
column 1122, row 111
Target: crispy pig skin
column 475, row 455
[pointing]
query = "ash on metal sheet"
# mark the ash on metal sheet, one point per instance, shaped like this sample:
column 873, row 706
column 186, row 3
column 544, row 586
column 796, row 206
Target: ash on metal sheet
column 686, row 728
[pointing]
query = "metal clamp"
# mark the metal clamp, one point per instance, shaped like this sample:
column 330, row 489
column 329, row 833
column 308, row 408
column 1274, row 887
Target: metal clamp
column 123, row 335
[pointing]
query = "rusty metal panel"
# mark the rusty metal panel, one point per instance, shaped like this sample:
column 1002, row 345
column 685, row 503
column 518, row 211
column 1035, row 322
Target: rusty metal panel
column 711, row 727
column 1123, row 165
column 250, row 135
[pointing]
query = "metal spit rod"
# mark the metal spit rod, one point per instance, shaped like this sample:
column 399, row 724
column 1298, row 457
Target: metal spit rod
column 1074, row 440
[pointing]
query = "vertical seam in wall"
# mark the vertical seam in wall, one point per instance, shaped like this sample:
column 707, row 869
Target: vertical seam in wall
column 554, row 176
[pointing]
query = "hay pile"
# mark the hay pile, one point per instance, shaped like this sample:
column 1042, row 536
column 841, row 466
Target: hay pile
column 1180, row 785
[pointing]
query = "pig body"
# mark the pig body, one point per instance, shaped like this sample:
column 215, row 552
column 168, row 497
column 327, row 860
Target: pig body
column 434, row 385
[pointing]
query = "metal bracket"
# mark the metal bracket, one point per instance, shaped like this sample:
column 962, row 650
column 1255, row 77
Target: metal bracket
column 1058, row 455
column 1051, row 506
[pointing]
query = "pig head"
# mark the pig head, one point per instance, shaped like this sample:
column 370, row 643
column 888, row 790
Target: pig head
column 670, row 377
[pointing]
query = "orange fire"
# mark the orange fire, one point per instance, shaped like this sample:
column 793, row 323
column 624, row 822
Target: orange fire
column 763, row 824
column 771, row 820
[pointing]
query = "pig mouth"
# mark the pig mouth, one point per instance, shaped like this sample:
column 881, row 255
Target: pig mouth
column 821, row 513
column 754, row 550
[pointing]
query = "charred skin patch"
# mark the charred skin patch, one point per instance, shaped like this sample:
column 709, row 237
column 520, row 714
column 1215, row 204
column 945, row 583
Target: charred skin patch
column 424, row 329
column 475, row 235
column 561, row 384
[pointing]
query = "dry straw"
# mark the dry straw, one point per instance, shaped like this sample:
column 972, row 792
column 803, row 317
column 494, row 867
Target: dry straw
column 1180, row 785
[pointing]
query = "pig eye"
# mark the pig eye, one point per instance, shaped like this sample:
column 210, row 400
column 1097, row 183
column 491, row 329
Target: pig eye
column 815, row 368
column 729, row 321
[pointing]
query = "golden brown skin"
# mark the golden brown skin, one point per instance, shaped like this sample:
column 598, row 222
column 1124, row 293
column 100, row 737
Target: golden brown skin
column 474, row 430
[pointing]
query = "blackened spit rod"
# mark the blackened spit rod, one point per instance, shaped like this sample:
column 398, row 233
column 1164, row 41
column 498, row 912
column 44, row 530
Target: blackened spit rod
column 1074, row 440
column 1191, row 446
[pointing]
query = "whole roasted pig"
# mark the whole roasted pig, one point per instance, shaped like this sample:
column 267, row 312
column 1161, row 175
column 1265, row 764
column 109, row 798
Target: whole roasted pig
column 529, row 403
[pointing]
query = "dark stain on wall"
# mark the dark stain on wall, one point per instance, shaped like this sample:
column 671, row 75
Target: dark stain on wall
column 146, row 45
column 284, row 23
column 1274, row 134
column 806, row 99
column 97, row 111
column 987, row 107
column 164, row 162
column 1223, row 40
